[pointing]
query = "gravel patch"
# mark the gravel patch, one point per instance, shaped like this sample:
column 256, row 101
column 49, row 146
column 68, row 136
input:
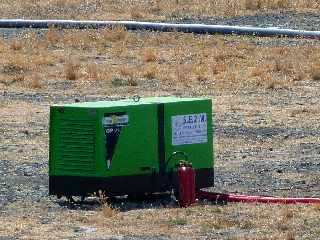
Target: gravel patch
column 287, row 19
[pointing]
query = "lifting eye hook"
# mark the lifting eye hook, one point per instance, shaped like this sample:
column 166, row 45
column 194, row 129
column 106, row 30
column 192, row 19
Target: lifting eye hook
column 136, row 98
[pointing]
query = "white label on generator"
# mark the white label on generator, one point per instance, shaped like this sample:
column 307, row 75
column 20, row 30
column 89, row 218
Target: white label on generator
column 115, row 120
column 189, row 129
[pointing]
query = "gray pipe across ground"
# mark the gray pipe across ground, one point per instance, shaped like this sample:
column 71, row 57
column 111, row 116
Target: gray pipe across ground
column 162, row 27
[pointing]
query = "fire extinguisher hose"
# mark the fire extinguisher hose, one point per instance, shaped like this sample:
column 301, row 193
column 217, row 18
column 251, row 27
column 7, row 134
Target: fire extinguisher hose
column 234, row 198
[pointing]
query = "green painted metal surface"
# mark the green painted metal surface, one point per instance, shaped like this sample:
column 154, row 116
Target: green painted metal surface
column 121, row 138
column 200, row 154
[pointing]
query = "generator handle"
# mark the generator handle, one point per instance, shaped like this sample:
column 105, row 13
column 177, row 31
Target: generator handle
column 175, row 154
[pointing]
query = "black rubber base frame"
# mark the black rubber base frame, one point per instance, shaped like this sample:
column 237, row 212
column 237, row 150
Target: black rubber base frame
column 122, row 185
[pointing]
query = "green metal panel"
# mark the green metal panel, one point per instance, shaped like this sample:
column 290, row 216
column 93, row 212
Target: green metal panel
column 72, row 141
column 194, row 119
column 136, row 151
column 77, row 141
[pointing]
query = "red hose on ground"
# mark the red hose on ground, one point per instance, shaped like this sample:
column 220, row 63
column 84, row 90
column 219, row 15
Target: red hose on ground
column 187, row 194
column 217, row 197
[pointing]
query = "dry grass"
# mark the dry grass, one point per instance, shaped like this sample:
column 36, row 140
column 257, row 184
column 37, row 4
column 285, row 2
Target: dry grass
column 113, row 35
column 194, row 222
column 35, row 81
column 108, row 211
column 315, row 71
column 136, row 13
column 52, row 36
column 151, row 9
column 106, row 208
column 127, row 71
column 213, row 62
column 16, row 45
column 71, row 69
column 149, row 55
column 92, row 71
column 274, row 4
column 150, row 71
column 16, row 64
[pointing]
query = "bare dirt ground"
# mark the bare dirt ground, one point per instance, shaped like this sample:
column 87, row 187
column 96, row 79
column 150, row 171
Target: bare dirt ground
column 266, row 111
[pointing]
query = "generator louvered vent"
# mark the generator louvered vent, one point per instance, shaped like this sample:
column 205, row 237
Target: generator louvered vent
column 76, row 146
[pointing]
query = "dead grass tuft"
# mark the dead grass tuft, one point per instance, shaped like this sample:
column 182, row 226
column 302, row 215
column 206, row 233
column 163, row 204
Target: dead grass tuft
column 9, row 81
column 105, row 73
column 317, row 207
column 119, row 81
column 127, row 77
column 182, row 73
column 257, row 72
column 16, row 45
column 132, row 82
column 287, row 215
column 35, row 81
column 17, row 65
column 199, row 71
column 77, row 39
column 290, row 236
column 284, row 66
column 107, row 210
column 315, row 72
column 92, row 71
column 136, row 13
column 18, row 78
column 71, row 69
column 114, row 34
column 217, row 68
column 149, row 55
column 285, row 221
column 253, row 4
column 150, row 72
column 283, row 4
column 127, row 71
column 52, row 36
column 45, row 59
column 302, row 111
column 3, row 46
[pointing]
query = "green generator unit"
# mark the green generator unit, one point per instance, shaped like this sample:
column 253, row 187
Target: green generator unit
column 129, row 146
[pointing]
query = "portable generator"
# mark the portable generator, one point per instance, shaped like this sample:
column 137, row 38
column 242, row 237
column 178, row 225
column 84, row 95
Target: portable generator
column 129, row 146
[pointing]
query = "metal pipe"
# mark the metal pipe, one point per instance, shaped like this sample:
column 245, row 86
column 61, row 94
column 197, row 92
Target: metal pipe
column 162, row 27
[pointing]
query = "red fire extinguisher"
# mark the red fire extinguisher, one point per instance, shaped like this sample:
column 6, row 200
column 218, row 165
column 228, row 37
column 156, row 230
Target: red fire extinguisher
column 186, row 180
column 187, row 184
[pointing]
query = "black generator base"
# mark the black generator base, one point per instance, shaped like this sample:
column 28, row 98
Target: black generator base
column 123, row 185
